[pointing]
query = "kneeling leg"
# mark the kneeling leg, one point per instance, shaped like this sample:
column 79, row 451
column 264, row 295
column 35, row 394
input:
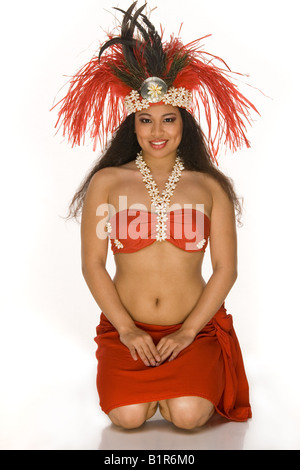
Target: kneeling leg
column 187, row 412
column 132, row 416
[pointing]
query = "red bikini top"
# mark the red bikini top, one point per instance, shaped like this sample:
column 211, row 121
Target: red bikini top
column 130, row 230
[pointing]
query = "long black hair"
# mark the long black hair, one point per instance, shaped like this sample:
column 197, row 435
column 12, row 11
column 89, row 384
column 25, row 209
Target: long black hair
column 124, row 147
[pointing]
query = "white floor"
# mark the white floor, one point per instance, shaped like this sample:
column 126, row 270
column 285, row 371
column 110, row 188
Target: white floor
column 65, row 415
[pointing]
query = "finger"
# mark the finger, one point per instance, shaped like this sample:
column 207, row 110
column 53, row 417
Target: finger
column 166, row 348
column 151, row 355
column 174, row 354
column 133, row 354
column 167, row 352
column 143, row 356
column 160, row 344
column 153, row 351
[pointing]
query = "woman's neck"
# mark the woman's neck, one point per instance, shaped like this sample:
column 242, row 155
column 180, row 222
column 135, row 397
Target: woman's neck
column 160, row 166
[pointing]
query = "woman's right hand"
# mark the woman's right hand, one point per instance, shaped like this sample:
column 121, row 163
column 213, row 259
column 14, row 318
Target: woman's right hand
column 140, row 344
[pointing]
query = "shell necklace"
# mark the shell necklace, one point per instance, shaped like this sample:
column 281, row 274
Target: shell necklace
column 160, row 202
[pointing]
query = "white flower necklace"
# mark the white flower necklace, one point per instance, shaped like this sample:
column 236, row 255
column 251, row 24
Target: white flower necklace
column 162, row 202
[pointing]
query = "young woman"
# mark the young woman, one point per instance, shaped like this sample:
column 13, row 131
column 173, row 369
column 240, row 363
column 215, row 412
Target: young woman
column 164, row 339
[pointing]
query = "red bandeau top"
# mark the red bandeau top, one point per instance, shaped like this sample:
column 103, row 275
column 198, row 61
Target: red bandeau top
column 130, row 230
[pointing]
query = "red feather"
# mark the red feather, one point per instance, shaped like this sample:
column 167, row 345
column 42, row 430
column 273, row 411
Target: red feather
column 214, row 94
column 94, row 102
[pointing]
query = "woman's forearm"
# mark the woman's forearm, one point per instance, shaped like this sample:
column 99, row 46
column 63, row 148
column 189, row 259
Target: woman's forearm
column 211, row 299
column 106, row 296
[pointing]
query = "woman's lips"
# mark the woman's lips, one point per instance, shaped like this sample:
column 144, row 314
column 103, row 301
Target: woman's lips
column 158, row 144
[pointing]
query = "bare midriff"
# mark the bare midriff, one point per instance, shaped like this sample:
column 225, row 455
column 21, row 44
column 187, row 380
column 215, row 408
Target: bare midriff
column 159, row 284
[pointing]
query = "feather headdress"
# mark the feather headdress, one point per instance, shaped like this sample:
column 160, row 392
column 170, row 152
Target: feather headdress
column 136, row 69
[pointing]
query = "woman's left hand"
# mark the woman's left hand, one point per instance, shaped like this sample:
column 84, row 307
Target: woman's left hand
column 171, row 345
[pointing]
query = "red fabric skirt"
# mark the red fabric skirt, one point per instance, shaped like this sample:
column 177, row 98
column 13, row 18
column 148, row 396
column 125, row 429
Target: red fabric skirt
column 211, row 367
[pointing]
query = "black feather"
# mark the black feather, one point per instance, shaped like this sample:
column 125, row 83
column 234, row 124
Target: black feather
column 127, row 30
column 111, row 42
column 140, row 28
column 148, row 48
column 178, row 63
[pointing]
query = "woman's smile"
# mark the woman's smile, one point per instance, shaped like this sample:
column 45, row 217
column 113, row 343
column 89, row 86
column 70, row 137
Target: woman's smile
column 158, row 144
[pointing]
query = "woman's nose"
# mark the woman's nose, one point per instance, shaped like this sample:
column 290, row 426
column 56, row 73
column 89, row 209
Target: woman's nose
column 157, row 129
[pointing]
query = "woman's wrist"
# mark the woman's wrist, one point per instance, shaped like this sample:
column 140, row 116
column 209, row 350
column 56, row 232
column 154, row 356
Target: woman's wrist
column 125, row 326
column 189, row 330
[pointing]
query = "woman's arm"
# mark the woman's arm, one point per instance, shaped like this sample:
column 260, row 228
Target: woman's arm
column 223, row 248
column 94, row 245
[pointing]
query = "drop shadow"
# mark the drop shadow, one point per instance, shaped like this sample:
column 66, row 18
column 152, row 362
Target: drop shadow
column 159, row 434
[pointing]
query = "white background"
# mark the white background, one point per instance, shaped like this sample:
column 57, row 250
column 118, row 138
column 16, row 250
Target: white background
column 48, row 397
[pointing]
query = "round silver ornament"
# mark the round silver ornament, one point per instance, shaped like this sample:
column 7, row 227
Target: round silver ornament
column 153, row 89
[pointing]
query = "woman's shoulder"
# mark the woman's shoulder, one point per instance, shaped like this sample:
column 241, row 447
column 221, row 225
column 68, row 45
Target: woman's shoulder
column 220, row 199
column 110, row 174
column 208, row 182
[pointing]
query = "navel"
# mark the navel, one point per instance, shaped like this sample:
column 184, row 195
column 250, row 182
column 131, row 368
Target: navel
column 156, row 302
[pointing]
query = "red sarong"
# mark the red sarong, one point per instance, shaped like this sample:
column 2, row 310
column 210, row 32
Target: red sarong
column 211, row 367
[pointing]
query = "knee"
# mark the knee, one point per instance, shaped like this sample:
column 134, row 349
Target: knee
column 128, row 421
column 129, row 417
column 187, row 421
column 190, row 418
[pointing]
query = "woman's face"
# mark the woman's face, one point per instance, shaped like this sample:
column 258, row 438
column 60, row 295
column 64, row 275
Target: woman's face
column 159, row 130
